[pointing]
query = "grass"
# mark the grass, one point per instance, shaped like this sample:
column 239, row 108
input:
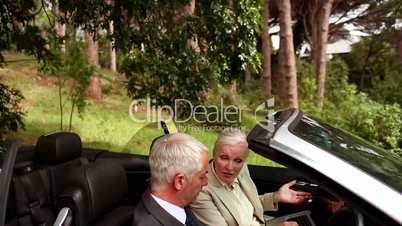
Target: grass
column 105, row 124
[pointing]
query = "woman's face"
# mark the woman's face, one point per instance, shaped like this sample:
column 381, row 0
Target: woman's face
column 228, row 161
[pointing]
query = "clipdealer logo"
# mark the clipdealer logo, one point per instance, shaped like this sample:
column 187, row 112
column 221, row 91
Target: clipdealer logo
column 145, row 111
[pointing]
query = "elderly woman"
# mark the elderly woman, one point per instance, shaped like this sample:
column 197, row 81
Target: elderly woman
column 231, row 197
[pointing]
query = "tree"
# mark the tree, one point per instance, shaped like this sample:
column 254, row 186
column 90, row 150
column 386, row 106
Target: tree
column 18, row 31
column 16, row 28
column 231, row 31
column 398, row 57
column 73, row 74
column 59, row 27
column 163, row 59
column 94, row 89
column 315, row 15
column 93, row 47
column 369, row 59
column 319, row 22
column 367, row 15
column 266, row 86
column 287, row 61
column 111, row 47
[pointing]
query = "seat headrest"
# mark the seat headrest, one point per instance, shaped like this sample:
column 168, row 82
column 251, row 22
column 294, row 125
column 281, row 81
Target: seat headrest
column 58, row 147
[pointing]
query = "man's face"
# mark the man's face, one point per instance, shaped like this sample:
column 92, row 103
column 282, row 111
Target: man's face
column 198, row 180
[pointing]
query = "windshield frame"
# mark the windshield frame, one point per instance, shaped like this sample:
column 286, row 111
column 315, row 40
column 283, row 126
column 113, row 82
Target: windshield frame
column 368, row 159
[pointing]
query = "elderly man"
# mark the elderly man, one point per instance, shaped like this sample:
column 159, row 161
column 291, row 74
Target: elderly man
column 179, row 168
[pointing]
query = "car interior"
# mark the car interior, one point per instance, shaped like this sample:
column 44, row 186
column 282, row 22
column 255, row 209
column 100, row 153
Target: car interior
column 58, row 182
column 57, row 172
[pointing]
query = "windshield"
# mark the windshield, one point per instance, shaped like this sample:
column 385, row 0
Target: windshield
column 381, row 164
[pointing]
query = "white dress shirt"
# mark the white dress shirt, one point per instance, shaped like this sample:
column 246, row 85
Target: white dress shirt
column 176, row 211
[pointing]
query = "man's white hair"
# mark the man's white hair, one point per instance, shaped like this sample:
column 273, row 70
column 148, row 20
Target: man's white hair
column 231, row 136
column 172, row 154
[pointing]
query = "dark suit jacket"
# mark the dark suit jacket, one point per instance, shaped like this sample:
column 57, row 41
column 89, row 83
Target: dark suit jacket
column 149, row 213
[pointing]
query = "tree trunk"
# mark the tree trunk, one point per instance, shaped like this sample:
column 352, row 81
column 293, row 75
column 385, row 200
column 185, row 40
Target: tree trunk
column 59, row 27
column 233, row 87
column 399, row 48
column 182, row 12
column 61, row 33
column 287, row 61
column 320, row 47
column 266, row 86
column 247, row 75
column 94, row 89
column 232, row 92
column 185, row 10
column 112, row 49
column 93, row 48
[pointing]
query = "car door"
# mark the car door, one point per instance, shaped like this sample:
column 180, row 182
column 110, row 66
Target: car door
column 8, row 152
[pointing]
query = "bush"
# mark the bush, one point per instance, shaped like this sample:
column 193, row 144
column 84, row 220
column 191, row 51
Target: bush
column 347, row 108
column 10, row 110
column 388, row 90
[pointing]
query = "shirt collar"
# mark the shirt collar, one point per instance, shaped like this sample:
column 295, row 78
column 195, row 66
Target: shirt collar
column 176, row 211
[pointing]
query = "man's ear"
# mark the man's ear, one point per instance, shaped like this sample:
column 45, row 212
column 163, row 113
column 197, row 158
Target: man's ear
column 179, row 181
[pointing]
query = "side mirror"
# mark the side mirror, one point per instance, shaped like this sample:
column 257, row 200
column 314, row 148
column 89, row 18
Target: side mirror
column 64, row 218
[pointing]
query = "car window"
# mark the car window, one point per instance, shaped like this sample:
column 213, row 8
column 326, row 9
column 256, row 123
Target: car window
column 383, row 165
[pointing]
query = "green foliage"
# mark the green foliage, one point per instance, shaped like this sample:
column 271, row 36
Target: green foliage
column 373, row 69
column 16, row 29
column 161, row 64
column 370, row 59
column 231, row 34
column 388, row 89
column 156, row 36
column 10, row 110
column 73, row 77
column 163, row 77
column 306, row 85
column 347, row 108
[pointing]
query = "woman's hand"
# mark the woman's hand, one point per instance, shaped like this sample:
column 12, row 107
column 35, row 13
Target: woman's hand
column 287, row 195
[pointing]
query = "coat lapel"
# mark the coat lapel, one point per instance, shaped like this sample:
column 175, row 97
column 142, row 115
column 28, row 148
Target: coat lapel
column 222, row 193
column 251, row 192
column 248, row 188
column 158, row 212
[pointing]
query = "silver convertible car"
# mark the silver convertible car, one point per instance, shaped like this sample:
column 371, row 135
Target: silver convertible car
column 58, row 182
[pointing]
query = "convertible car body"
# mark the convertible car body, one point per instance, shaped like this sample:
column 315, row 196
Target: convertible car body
column 56, row 180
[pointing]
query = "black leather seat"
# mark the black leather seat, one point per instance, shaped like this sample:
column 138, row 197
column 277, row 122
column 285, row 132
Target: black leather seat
column 37, row 183
column 97, row 195
column 60, row 152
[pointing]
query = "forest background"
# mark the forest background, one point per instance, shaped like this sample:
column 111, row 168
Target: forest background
column 77, row 65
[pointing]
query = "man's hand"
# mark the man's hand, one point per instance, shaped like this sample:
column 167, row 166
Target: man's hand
column 287, row 195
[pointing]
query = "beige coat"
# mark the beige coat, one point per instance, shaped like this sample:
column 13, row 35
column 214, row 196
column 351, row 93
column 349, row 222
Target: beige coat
column 213, row 205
